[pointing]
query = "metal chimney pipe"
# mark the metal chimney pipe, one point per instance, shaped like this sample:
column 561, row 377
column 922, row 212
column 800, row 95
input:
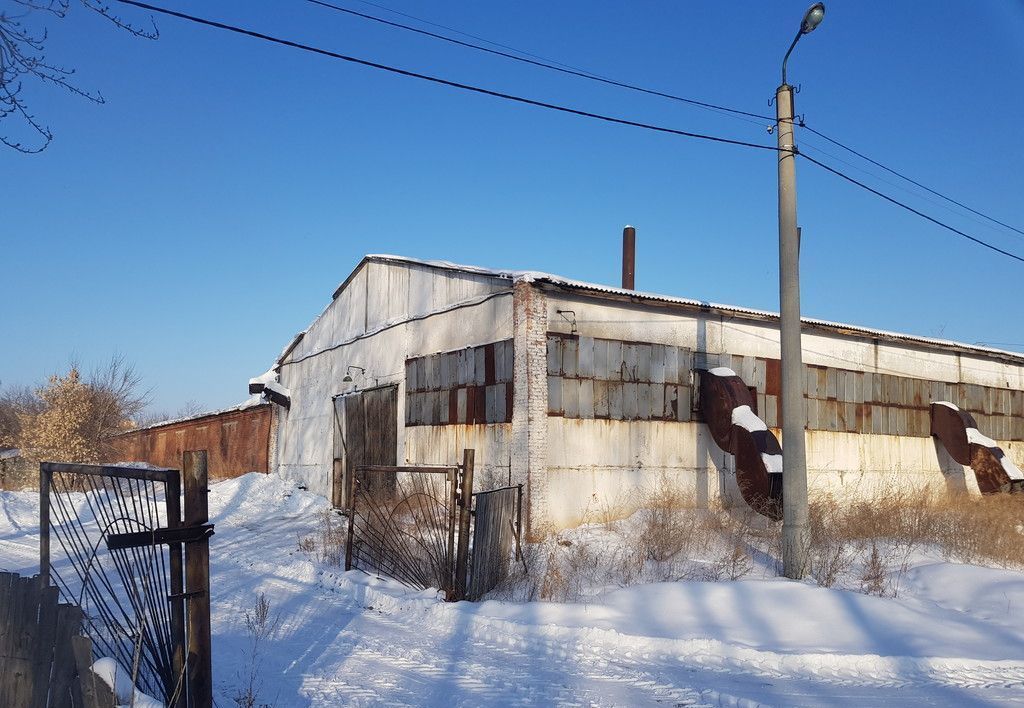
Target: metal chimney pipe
column 629, row 258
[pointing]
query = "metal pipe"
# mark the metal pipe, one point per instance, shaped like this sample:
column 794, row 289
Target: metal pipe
column 628, row 258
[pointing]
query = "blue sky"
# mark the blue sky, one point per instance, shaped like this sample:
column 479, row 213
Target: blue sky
column 205, row 213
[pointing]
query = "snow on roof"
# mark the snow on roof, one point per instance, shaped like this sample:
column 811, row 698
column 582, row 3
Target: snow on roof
column 540, row 276
column 250, row 402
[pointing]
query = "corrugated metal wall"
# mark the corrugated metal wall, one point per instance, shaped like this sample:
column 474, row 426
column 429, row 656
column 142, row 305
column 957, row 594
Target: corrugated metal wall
column 236, row 442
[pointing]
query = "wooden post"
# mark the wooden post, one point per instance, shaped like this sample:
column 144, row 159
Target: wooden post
column 172, row 497
column 465, row 511
column 197, row 582
column 453, row 501
column 45, row 476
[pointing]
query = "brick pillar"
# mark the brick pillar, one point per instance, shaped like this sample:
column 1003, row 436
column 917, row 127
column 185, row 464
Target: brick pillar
column 530, row 404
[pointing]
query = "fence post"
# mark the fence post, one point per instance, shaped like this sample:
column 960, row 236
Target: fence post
column 172, row 498
column 197, row 581
column 45, row 477
column 465, row 511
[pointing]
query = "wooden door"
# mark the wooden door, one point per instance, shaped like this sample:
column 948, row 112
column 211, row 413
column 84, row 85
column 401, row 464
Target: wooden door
column 365, row 433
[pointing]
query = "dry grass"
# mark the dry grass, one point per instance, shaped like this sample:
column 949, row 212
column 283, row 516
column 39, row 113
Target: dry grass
column 327, row 543
column 866, row 545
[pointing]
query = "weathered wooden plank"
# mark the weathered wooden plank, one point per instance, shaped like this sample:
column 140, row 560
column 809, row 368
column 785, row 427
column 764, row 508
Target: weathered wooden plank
column 643, row 362
column 645, row 401
column 771, row 404
column 630, row 357
column 479, row 366
column 685, row 406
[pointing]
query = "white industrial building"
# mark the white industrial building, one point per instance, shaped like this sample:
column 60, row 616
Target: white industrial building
column 586, row 393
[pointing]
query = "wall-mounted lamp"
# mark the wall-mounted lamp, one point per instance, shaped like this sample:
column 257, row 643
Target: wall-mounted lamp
column 571, row 321
column 348, row 375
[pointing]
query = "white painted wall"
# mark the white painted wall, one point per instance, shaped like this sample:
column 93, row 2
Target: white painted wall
column 594, row 465
column 388, row 313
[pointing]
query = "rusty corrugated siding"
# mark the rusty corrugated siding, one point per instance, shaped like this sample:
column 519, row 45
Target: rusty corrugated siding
column 236, row 442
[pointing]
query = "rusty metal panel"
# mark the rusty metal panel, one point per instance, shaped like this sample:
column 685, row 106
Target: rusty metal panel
column 878, row 419
column 585, row 357
column 830, row 384
column 643, row 362
column 1017, row 403
column 684, row 406
column 975, row 398
column 850, row 417
column 499, row 362
column 480, row 366
column 1017, row 428
column 510, row 356
column 441, row 405
column 645, row 401
column 570, row 357
column 571, row 398
column 600, row 359
column 555, row 395
column 771, row 404
column 746, row 370
column 469, row 358
column 671, row 365
column 685, row 365
column 831, row 415
column 410, row 375
column 810, row 382
column 601, row 399
column 657, row 374
column 496, row 403
column 586, row 398
column 460, row 406
column 554, row 356
column 615, row 401
column 892, row 426
column 615, row 361
column 630, row 401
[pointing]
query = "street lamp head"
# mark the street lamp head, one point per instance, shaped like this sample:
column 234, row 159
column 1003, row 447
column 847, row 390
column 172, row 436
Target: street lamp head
column 812, row 18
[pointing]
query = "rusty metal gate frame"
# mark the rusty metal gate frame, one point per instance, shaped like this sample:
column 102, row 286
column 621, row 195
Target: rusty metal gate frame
column 130, row 532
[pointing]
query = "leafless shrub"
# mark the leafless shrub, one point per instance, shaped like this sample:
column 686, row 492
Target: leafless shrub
column 874, row 574
column 261, row 627
column 831, row 554
column 328, row 543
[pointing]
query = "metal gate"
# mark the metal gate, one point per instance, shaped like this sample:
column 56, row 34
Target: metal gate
column 114, row 541
column 497, row 537
column 416, row 524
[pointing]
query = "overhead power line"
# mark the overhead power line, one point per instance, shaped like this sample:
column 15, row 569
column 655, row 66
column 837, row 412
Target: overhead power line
column 582, row 73
column 543, row 63
column 910, row 208
column 443, row 82
column 908, row 179
column 555, row 107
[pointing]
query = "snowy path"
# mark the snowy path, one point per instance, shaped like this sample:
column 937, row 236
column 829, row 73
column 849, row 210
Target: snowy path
column 956, row 638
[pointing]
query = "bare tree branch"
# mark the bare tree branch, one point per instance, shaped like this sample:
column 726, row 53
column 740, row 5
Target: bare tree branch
column 23, row 58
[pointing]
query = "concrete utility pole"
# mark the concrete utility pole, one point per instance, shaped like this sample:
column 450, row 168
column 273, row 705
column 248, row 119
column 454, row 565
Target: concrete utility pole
column 795, row 529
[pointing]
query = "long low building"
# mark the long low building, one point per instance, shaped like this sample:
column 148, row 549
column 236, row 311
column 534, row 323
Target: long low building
column 589, row 395
column 237, row 440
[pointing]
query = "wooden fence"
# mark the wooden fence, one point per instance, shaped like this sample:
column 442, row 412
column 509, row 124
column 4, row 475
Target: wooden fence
column 44, row 658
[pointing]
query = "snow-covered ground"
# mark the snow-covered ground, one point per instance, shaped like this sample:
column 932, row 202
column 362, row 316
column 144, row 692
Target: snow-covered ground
column 954, row 636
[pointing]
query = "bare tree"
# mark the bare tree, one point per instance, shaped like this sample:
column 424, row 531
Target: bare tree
column 23, row 36
column 72, row 418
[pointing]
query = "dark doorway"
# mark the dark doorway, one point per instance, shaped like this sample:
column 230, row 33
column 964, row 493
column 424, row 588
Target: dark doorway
column 365, row 433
